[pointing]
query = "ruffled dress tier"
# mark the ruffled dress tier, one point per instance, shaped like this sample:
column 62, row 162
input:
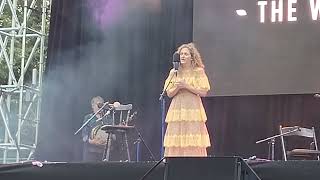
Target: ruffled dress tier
column 186, row 133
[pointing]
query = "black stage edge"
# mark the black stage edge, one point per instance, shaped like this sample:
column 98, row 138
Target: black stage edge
column 81, row 171
column 288, row 170
column 208, row 168
column 222, row 168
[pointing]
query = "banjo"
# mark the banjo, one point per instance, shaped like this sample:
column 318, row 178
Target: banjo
column 99, row 135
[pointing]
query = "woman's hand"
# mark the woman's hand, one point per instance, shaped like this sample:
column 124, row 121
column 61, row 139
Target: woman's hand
column 177, row 85
column 181, row 84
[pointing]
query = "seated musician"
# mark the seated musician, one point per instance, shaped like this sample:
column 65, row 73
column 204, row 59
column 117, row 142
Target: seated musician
column 94, row 145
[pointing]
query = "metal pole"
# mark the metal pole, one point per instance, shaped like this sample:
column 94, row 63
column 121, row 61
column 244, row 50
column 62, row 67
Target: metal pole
column 21, row 81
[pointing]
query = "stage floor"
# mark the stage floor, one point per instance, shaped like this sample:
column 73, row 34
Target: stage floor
column 276, row 170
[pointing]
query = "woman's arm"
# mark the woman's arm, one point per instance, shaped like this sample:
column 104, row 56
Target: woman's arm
column 197, row 91
column 173, row 91
column 201, row 84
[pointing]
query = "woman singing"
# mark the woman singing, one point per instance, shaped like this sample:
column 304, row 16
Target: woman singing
column 186, row 133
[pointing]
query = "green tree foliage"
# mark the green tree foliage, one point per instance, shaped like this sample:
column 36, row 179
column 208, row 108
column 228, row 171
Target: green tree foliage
column 33, row 22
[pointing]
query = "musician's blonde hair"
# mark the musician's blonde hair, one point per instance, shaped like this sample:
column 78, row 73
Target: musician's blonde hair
column 96, row 100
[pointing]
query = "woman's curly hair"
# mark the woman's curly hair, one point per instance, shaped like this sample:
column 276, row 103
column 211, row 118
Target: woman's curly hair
column 196, row 59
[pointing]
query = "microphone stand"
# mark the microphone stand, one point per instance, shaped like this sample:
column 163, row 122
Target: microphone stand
column 162, row 109
column 273, row 139
column 140, row 139
column 84, row 124
column 153, row 167
column 144, row 143
column 163, row 103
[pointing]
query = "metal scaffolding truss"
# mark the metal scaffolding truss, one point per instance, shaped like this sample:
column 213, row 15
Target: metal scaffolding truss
column 22, row 51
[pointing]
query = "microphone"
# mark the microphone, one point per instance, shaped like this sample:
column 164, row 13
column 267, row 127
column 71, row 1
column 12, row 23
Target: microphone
column 129, row 119
column 109, row 111
column 133, row 115
column 252, row 158
column 100, row 105
column 176, row 61
column 103, row 107
column 298, row 128
column 113, row 106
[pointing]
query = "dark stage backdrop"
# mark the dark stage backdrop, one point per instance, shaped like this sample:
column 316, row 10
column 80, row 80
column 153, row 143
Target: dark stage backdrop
column 118, row 49
column 126, row 58
column 237, row 122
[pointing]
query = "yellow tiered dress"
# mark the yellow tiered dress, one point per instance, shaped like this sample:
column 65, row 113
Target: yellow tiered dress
column 186, row 133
